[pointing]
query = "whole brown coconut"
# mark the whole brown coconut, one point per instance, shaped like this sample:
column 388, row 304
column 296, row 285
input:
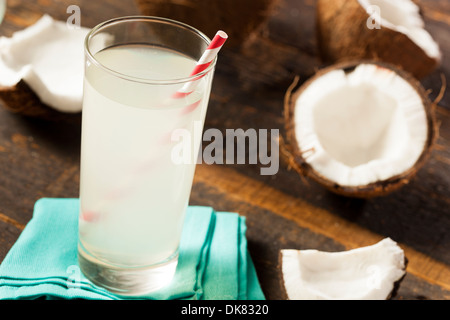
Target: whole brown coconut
column 238, row 18
column 360, row 129
column 376, row 29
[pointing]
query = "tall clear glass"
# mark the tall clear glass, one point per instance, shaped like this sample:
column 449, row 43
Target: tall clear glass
column 2, row 9
column 135, row 181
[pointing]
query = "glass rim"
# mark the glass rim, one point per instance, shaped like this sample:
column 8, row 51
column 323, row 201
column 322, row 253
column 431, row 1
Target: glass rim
column 113, row 21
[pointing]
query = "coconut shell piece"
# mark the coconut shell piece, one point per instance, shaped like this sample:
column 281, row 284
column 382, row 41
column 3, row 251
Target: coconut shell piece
column 343, row 35
column 42, row 70
column 238, row 18
column 20, row 99
column 298, row 159
column 373, row 272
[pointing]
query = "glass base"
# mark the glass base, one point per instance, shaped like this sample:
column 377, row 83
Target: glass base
column 127, row 281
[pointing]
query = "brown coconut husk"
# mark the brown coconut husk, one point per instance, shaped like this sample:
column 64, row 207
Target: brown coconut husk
column 22, row 100
column 343, row 35
column 238, row 18
column 297, row 158
column 397, row 283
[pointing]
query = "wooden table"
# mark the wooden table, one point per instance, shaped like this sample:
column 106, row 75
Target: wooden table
column 41, row 159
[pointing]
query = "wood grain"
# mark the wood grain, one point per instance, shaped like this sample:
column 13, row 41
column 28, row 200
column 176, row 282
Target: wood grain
column 241, row 188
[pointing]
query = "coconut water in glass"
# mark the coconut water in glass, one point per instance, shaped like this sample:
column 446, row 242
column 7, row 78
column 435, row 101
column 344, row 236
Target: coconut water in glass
column 133, row 194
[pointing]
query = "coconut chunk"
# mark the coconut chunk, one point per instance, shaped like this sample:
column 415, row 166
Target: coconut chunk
column 48, row 56
column 384, row 30
column 361, row 129
column 403, row 16
column 367, row 273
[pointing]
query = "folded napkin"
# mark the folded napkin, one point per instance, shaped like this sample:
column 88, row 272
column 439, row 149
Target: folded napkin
column 213, row 264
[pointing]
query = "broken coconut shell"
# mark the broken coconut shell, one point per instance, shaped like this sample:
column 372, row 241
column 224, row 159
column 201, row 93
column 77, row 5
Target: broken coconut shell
column 41, row 70
column 373, row 272
column 360, row 129
column 239, row 18
column 20, row 99
column 376, row 29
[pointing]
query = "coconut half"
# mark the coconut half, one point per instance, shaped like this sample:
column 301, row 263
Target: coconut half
column 390, row 31
column 369, row 273
column 359, row 129
column 43, row 66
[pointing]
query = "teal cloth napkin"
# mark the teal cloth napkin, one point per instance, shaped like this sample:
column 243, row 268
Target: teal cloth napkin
column 214, row 263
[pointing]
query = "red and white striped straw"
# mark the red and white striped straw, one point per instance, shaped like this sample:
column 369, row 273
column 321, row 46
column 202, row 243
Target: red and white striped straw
column 203, row 63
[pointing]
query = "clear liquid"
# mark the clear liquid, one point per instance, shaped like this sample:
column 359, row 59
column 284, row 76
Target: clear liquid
column 133, row 196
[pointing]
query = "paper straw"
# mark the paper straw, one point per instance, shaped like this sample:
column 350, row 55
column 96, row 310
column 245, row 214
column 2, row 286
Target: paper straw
column 203, row 63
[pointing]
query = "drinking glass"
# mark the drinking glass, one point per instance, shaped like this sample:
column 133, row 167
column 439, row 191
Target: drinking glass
column 135, row 178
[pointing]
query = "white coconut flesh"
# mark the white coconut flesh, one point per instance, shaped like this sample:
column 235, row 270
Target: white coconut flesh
column 360, row 127
column 49, row 57
column 367, row 273
column 403, row 16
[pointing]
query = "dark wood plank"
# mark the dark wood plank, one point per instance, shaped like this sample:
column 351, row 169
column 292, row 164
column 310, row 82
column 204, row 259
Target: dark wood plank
column 250, row 197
